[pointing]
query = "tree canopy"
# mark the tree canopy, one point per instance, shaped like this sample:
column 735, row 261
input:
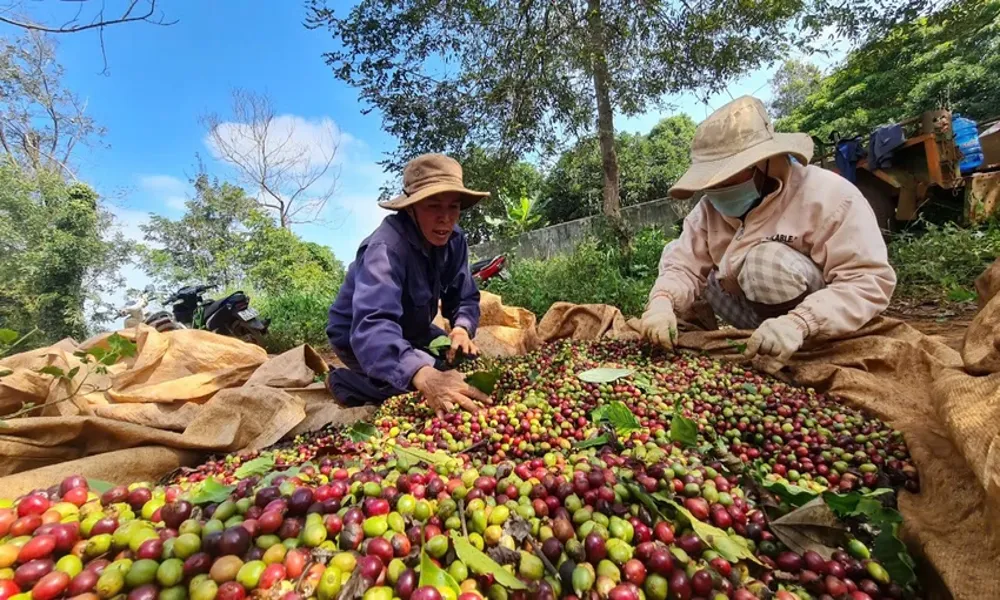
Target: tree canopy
column 225, row 237
column 650, row 163
column 951, row 58
column 519, row 77
column 791, row 84
column 54, row 253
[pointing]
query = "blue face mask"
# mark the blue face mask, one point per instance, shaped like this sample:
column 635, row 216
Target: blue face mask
column 735, row 200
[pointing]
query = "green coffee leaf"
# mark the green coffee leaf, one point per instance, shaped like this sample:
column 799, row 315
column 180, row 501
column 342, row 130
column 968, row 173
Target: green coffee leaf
column 441, row 342
column 121, row 346
column 603, row 375
column 431, row 574
column 5, row 372
column 740, row 347
column 418, row 455
column 648, row 500
column 592, row 442
column 8, row 336
column 290, row 472
column 484, row 381
column 480, row 563
column 749, row 388
column 683, row 430
column 731, row 547
column 210, row 491
column 72, row 372
column 792, row 494
column 361, row 432
column 53, row 371
column 99, row 487
column 891, row 552
column 618, row 415
column 258, row 466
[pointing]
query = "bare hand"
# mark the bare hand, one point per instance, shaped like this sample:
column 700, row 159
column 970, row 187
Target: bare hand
column 443, row 390
column 460, row 341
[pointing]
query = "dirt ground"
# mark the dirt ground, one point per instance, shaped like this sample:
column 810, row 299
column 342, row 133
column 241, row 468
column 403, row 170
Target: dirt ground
column 948, row 322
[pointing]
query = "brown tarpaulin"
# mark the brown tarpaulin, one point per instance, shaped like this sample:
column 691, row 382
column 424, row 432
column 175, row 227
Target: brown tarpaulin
column 946, row 404
column 229, row 396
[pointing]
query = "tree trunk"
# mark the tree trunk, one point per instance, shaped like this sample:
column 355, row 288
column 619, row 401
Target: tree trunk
column 605, row 114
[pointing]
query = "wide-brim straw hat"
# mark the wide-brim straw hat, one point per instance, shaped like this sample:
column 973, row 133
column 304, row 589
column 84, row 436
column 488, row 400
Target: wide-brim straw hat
column 733, row 138
column 431, row 174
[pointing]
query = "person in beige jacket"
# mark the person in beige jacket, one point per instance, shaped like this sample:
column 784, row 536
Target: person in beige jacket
column 790, row 250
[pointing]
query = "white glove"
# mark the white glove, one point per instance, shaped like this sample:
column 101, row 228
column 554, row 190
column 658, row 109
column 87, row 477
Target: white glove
column 781, row 337
column 659, row 323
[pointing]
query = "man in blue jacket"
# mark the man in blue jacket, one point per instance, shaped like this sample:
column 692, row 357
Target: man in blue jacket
column 381, row 321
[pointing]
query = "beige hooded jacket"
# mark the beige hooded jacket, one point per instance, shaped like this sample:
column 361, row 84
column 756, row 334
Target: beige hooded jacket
column 816, row 212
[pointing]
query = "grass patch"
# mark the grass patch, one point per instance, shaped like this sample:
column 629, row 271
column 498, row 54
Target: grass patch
column 942, row 262
column 596, row 272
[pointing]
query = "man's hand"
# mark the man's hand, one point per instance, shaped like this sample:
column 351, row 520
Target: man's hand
column 659, row 324
column 781, row 337
column 445, row 389
column 460, row 341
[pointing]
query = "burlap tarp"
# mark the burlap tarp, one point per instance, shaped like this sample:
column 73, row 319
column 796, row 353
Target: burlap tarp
column 946, row 403
column 184, row 394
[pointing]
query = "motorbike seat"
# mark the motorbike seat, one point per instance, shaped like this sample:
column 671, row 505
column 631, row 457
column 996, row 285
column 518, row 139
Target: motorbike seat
column 479, row 264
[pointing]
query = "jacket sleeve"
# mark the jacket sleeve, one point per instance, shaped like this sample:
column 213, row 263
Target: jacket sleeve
column 460, row 299
column 685, row 263
column 376, row 336
column 859, row 280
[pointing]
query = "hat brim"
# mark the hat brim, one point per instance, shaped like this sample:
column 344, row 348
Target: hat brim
column 469, row 197
column 703, row 175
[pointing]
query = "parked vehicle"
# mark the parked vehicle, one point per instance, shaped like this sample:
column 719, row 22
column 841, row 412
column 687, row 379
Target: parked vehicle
column 135, row 313
column 484, row 270
column 232, row 315
column 944, row 166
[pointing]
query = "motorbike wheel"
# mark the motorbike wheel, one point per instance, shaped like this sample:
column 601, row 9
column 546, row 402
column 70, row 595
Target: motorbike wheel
column 242, row 331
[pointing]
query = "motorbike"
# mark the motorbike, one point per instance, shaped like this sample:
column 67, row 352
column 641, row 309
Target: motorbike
column 135, row 313
column 231, row 315
column 484, row 270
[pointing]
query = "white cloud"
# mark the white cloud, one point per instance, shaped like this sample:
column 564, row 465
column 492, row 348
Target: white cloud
column 166, row 189
column 308, row 143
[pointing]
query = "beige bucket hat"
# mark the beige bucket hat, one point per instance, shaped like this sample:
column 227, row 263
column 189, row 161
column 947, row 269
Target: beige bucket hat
column 430, row 174
column 733, row 138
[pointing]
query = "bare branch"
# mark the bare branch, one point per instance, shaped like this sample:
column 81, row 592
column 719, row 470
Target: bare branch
column 99, row 22
column 263, row 148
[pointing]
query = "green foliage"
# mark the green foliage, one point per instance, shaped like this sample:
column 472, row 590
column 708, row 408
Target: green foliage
column 950, row 58
column 502, row 177
column 297, row 317
column 791, row 84
column 595, row 272
column 522, row 215
column 54, row 252
column 943, row 261
column 649, row 165
column 226, row 238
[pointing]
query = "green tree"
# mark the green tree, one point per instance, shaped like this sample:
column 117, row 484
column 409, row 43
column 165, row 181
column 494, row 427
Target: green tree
column 225, row 237
column 650, row 164
column 791, row 84
column 54, row 253
column 950, row 58
column 489, row 172
column 516, row 76
column 42, row 123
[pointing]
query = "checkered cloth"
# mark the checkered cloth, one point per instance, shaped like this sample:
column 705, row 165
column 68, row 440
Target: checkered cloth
column 774, row 279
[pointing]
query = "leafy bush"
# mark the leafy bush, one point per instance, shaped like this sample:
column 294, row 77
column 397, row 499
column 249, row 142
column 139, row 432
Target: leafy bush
column 297, row 317
column 596, row 272
column 943, row 261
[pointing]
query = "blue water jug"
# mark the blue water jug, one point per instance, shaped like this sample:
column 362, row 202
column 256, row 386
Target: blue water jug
column 967, row 140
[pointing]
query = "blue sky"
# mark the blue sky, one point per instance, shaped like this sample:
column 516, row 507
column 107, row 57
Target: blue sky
column 161, row 79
